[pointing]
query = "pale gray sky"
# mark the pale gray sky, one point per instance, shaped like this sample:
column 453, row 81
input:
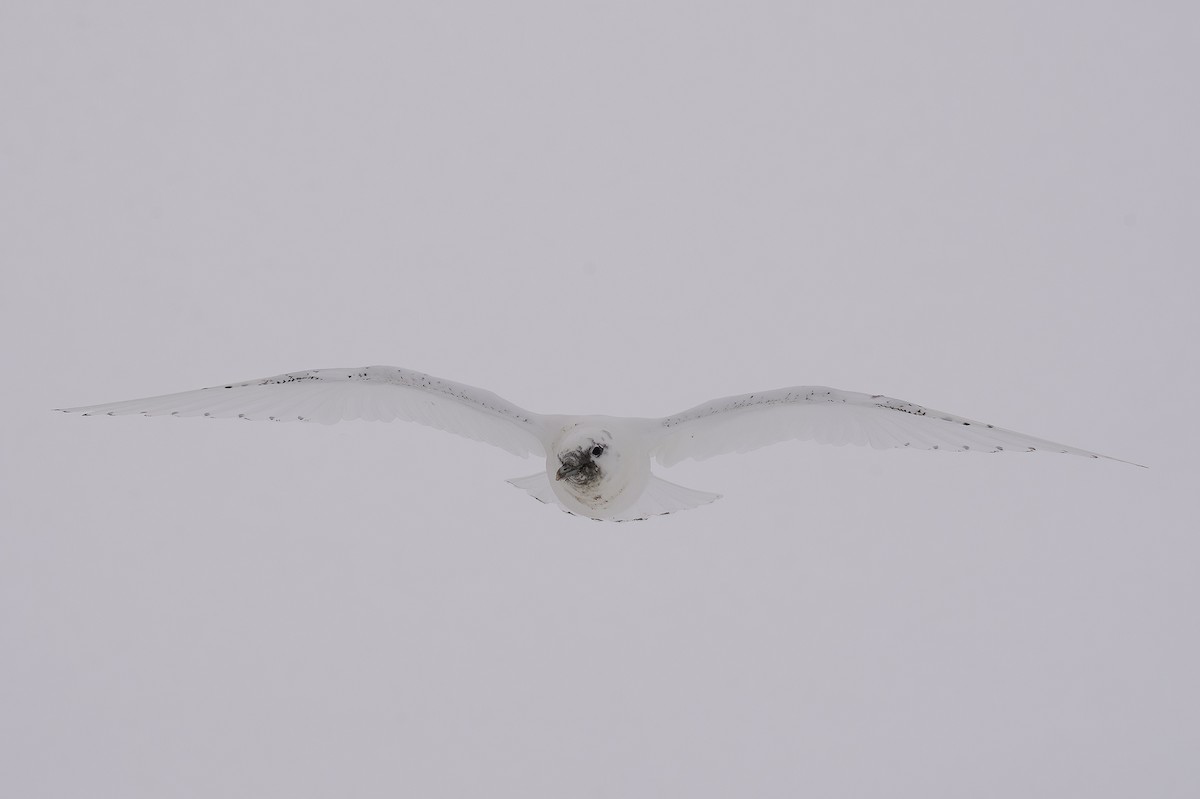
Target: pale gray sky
column 622, row 208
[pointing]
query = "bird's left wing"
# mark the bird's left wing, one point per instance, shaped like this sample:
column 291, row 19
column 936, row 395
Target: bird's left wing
column 830, row 416
column 373, row 393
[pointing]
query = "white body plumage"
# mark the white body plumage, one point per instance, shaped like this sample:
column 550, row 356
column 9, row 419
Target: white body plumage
column 596, row 466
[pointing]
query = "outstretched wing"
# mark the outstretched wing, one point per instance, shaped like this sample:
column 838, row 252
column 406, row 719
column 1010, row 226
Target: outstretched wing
column 373, row 393
column 830, row 416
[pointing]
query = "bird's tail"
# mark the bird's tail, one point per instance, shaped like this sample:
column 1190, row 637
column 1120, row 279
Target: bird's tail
column 659, row 498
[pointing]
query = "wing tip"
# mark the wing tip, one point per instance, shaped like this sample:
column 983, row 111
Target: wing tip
column 1122, row 460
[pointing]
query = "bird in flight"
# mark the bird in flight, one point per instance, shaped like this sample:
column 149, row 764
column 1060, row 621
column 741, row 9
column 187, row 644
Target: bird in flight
column 596, row 466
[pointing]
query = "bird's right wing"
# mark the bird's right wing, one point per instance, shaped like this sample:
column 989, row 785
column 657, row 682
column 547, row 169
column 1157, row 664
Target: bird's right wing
column 373, row 393
column 830, row 416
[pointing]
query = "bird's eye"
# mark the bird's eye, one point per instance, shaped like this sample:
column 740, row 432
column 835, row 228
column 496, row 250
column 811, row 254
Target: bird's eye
column 597, row 451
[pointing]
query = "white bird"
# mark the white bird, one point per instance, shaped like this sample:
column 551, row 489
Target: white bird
column 596, row 466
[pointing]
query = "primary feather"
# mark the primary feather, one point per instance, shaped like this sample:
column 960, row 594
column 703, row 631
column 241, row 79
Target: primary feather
column 831, row 416
column 372, row 393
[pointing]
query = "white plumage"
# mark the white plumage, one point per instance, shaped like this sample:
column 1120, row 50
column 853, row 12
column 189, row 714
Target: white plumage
column 596, row 466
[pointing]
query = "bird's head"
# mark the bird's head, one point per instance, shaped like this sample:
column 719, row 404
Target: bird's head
column 594, row 470
column 584, row 457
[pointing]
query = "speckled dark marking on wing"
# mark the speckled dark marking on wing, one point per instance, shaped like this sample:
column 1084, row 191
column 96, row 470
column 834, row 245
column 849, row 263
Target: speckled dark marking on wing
column 373, row 393
column 831, row 416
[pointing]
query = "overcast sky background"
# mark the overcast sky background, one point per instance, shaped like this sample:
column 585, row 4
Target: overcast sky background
column 623, row 208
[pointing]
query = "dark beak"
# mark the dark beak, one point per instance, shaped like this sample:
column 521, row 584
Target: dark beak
column 565, row 470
